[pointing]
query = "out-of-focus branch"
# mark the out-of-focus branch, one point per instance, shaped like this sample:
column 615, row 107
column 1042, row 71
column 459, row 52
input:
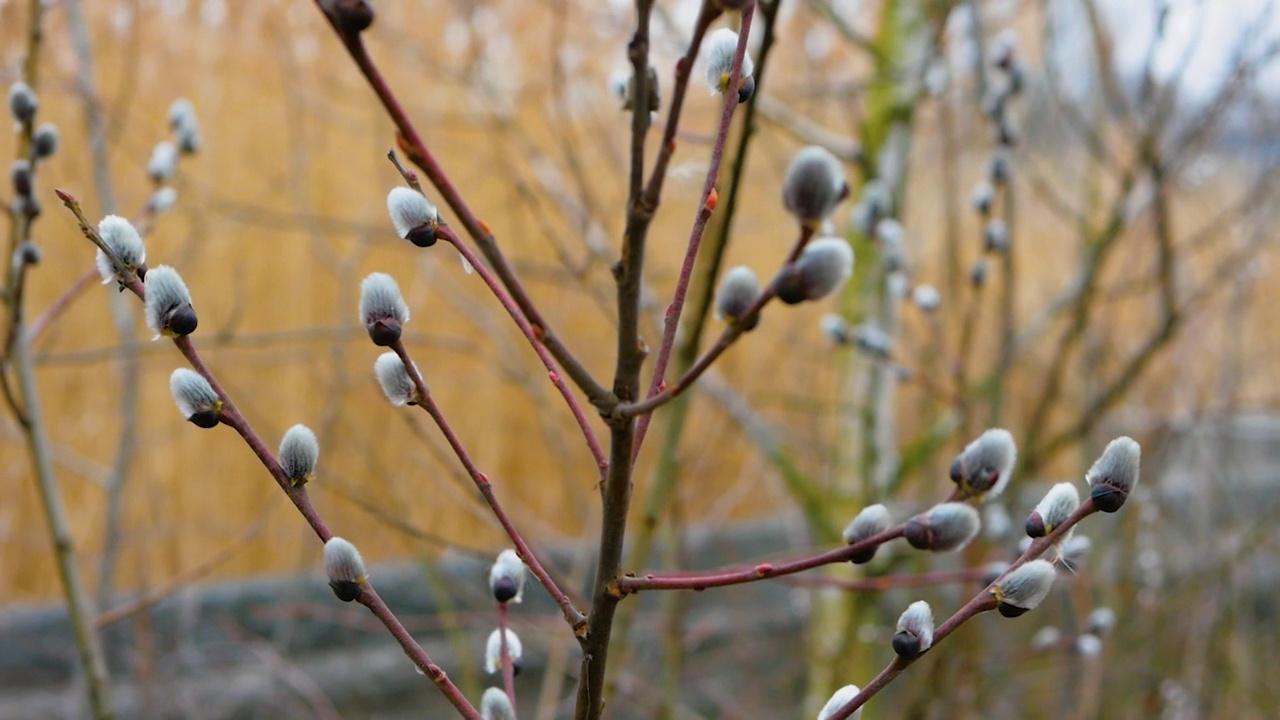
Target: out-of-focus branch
column 26, row 406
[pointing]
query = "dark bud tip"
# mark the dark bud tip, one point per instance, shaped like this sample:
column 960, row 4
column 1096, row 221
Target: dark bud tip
column 183, row 321
column 863, row 557
column 205, row 419
column 353, row 16
column 345, row 590
column 1011, row 611
column 385, row 332
column 424, row 236
column 917, row 533
column 746, row 89
column 1108, row 498
column 29, row 253
column 789, row 287
column 906, row 645
column 516, row 667
column 504, row 589
column 956, row 473
column 1035, row 525
column 750, row 323
column 142, row 272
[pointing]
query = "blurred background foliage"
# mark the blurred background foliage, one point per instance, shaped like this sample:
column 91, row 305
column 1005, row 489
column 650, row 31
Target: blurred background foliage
column 1133, row 301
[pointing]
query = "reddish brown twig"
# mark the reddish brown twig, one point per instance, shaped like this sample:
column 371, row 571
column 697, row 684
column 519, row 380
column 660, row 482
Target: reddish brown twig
column 231, row 417
column 571, row 614
column 763, row 571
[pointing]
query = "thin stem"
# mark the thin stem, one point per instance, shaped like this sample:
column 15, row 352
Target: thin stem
column 726, row 340
column 571, row 614
column 508, row 667
column 15, row 351
column 88, row 643
column 890, row 582
column 700, row 581
column 684, row 68
column 707, row 205
column 232, row 417
column 593, row 443
column 980, row 603
column 370, row 599
column 416, row 150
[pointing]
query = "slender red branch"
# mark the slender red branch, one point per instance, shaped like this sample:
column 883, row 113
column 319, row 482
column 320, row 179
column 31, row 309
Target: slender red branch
column 726, row 340
column 593, row 442
column 416, row 150
column 575, row 619
column 370, row 599
column 980, row 603
column 232, row 417
column 707, row 205
column 762, row 571
column 683, row 70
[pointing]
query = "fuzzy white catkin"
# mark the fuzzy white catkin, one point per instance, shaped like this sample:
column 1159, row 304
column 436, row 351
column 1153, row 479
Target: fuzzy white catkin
column 1118, row 465
column 493, row 651
column 394, row 379
column 495, row 705
column 507, row 577
column 409, row 210
column 917, row 620
column 720, row 47
column 986, row 464
column 299, row 453
column 164, row 161
column 380, row 298
column 982, row 197
column 342, row 562
column 44, row 141
column 126, row 244
column 166, row 293
column 738, row 290
column 163, row 199
column 944, row 528
column 1089, row 645
column 842, row 697
column 813, row 185
column 926, row 297
column 1057, row 505
column 23, row 102
column 1027, row 586
column 1045, row 638
column 872, row 340
column 872, row 520
column 192, row 393
column 835, row 328
column 823, row 266
column 890, row 232
column 181, row 112
column 1101, row 620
